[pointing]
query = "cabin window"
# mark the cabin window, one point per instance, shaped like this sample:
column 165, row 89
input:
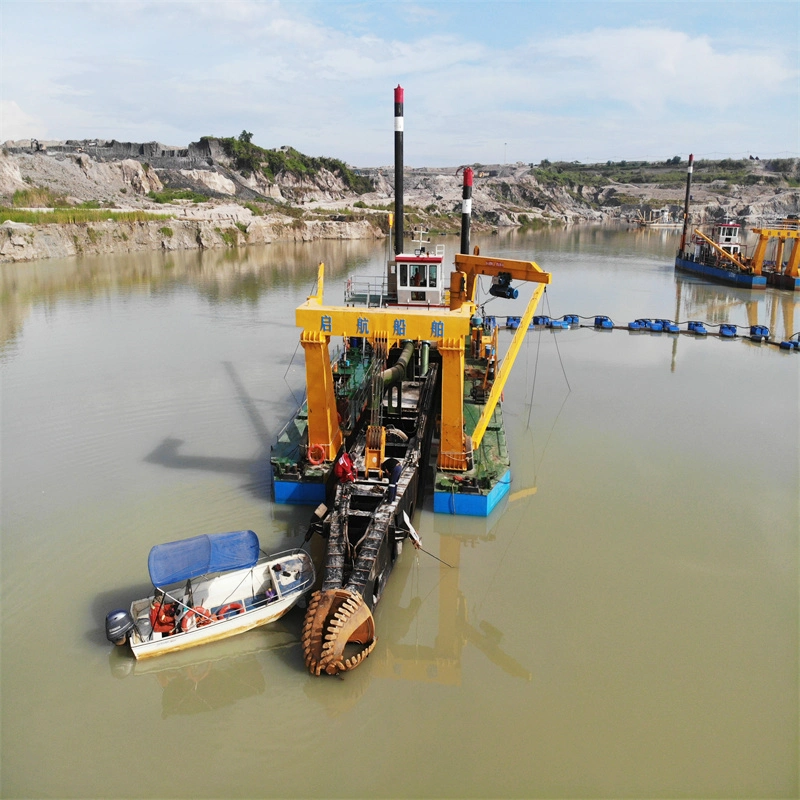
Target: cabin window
column 419, row 274
column 432, row 276
column 404, row 274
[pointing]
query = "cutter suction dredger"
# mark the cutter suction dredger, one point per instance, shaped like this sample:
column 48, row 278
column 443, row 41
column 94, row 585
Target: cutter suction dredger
column 438, row 395
column 427, row 406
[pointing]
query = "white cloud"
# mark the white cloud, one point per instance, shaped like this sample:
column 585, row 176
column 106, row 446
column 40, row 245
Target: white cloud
column 651, row 67
column 174, row 71
column 16, row 124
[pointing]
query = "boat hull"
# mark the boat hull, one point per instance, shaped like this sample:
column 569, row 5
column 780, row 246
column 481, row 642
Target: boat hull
column 783, row 281
column 472, row 505
column 210, row 633
column 298, row 493
column 476, row 492
column 246, row 586
column 731, row 277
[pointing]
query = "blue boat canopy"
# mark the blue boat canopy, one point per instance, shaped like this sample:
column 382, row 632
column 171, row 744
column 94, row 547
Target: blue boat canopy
column 190, row 558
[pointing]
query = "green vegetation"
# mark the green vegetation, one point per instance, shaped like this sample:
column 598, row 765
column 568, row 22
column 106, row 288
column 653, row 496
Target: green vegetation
column 93, row 235
column 255, row 210
column 534, row 224
column 38, row 197
column 170, row 195
column 249, row 158
column 229, row 236
column 666, row 174
column 242, row 227
column 289, row 210
column 65, row 216
column 166, row 231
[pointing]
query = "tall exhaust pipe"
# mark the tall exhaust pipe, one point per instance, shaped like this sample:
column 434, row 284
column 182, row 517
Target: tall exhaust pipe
column 398, row 170
column 686, row 202
column 466, row 210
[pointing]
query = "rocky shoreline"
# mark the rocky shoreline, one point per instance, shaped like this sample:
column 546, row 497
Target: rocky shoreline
column 24, row 242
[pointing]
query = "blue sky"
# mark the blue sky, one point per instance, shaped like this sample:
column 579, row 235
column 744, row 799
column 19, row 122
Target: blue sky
column 485, row 82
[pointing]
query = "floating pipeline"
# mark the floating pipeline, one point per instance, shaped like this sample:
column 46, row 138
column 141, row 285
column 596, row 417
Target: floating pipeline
column 696, row 328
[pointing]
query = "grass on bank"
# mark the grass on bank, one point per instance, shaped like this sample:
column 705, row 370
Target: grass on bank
column 170, row 195
column 66, row 216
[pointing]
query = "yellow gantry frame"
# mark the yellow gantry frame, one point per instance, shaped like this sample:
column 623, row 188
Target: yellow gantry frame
column 447, row 328
column 756, row 263
column 781, row 234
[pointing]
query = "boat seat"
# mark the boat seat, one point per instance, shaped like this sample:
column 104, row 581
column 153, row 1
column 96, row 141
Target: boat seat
column 143, row 624
column 255, row 602
column 289, row 582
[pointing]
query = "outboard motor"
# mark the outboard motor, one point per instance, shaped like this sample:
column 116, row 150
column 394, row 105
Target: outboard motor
column 119, row 624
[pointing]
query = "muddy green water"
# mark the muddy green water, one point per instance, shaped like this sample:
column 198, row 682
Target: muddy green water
column 624, row 625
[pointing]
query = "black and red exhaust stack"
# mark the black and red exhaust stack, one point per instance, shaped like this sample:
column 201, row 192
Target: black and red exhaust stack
column 398, row 170
column 686, row 202
column 466, row 210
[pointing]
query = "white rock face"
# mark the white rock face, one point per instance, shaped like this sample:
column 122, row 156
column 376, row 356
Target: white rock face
column 20, row 242
column 10, row 177
column 134, row 174
column 213, row 180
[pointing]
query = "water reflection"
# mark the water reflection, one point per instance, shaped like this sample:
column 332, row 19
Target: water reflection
column 717, row 304
column 400, row 655
column 210, row 677
column 602, row 241
column 230, row 275
column 257, row 469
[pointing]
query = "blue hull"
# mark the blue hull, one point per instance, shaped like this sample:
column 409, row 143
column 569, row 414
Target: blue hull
column 298, row 493
column 783, row 282
column 732, row 277
column 471, row 505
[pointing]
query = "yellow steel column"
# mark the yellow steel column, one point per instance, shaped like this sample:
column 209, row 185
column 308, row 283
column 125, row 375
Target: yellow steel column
column 323, row 421
column 452, row 444
column 794, row 261
column 505, row 367
column 779, row 255
column 759, row 253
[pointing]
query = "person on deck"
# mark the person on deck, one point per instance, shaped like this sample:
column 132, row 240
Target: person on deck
column 162, row 614
column 343, row 469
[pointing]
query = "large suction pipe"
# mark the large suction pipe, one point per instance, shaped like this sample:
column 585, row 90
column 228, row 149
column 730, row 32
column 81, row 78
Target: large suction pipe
column 466, row 210
column 398, row 371
column 686, row 202
column 398, row 170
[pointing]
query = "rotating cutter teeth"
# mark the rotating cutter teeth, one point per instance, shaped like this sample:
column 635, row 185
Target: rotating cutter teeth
column 335, row 618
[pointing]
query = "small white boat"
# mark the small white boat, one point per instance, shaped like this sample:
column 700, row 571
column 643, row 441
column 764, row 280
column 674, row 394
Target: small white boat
column 208, row 588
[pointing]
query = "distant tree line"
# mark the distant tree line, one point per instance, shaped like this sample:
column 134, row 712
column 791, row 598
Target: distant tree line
column 745, row 171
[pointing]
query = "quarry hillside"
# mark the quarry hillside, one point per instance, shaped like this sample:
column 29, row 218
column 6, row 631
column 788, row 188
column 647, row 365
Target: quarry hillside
column 114, row 196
